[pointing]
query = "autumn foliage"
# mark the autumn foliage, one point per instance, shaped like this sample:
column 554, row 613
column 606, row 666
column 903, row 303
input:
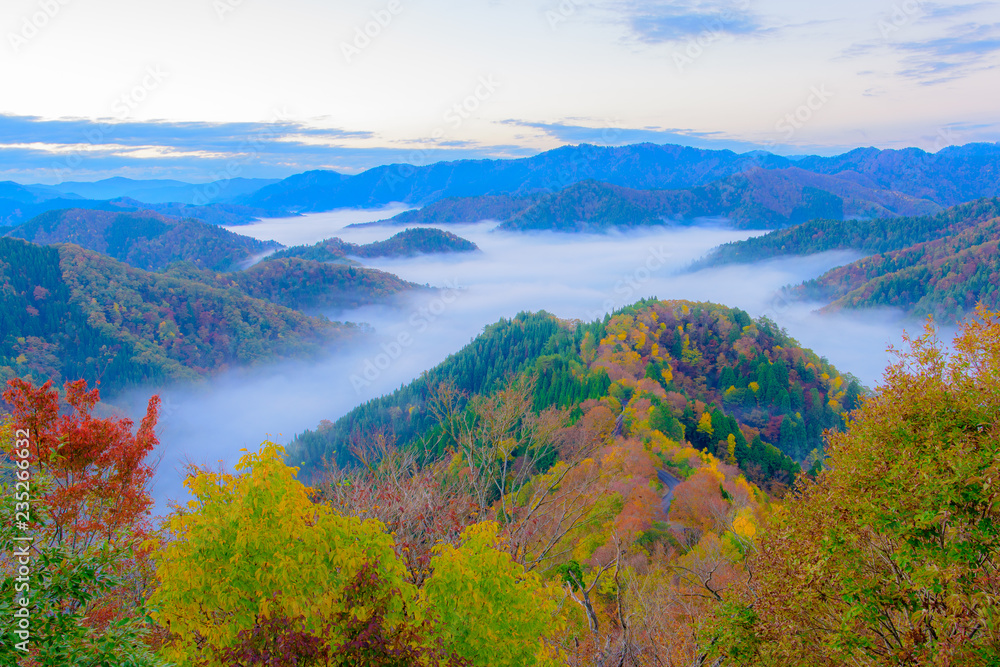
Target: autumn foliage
column 890, row 557
column 89, row 512
column 97, row 468
column 625, row 527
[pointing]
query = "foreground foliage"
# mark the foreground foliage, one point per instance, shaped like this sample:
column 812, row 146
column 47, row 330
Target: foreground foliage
column 306, row 582
column 891, row 556
column 79, row 601
column 599, row 505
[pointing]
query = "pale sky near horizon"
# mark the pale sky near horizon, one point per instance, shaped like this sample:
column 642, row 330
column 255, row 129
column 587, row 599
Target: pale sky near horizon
column 179, row 88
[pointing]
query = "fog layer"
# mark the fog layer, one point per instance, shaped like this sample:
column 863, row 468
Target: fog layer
column 573, row 276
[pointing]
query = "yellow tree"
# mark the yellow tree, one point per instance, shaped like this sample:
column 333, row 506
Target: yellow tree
column 254, row 547
column 491, row 610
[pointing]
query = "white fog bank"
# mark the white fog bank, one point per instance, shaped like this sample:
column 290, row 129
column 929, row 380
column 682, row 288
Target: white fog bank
column 574, row 276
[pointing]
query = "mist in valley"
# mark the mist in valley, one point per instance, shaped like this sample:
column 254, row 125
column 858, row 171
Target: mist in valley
column 573, row 276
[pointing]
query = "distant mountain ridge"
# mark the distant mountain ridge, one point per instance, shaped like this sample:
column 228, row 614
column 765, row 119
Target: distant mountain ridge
column 872, row 182
column 158, row 191
column 756, row 198
column 950, row 176
column 21, row 204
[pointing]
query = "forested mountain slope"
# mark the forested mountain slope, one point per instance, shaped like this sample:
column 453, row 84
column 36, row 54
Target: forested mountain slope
column 693, row 371
column 870, row 236
column 71, row 313
column 945, row 278
column 144, row 239
column 941, row 265
column 407, row 243
column 303, row 284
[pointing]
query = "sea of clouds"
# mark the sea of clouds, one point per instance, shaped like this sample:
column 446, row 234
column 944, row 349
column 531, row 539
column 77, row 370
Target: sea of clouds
column 573, row 276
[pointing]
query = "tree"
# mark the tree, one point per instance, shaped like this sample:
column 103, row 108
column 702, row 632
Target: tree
column 86, row 483
column 421, row 504
column 505, row 613
column 891, row 556
column 97, row 468
column 505, row 451
column 254, row 547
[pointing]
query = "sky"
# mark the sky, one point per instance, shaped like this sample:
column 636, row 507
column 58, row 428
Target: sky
column 205, row 89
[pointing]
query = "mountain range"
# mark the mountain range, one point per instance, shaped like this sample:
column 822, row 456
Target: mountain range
column 632, row 185
column 755, row 199
column 950, row 176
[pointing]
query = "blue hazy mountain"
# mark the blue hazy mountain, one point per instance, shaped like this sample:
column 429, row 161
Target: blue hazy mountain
column 161, row 191
column 947, row 177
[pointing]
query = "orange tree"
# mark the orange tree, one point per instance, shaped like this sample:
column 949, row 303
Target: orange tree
column 890, row 557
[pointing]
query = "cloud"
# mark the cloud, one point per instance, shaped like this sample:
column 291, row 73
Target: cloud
column 658, row 22
column 934, row 43
column 966, row 48
column 34, row 149
column 223, row 137
column 933, row 10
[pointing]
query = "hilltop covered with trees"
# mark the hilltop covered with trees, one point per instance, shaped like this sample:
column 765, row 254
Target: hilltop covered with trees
column 701, row 373
column 407, row 243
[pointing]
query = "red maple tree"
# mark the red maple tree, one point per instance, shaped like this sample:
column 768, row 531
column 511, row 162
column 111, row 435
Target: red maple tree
column 96, row 468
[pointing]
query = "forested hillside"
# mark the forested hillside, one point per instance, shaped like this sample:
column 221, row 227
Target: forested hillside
column 144, row 239
column 945, row 278
column 880, row 235
column 304, row 284
column 73, row 313
column 407, row 243
column 696, row 372
column 941, row 265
